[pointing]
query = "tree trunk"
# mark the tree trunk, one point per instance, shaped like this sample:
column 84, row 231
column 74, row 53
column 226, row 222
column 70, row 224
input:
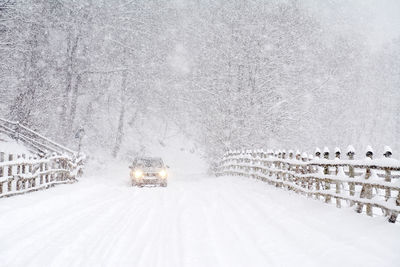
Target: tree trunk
column 71, row 55
column 120, row 130
column 74, row 102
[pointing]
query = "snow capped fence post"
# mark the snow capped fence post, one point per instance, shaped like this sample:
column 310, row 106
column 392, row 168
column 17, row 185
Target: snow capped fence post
column 339, row 174
column 352, row 188
column 326, row 172
column 298, row 158
column 23, row 164
column 279, row 163
column 317, row 183
column 388, row 177
column 284, row 168
column 310, row 170
column 41, row 169
column 304, row 170
column 53, row 166
column 300, row 172
column 290, row 168
column 19, row 180
column 337, row 157
column 366, row 191
column 10, row 173
column 28, row 170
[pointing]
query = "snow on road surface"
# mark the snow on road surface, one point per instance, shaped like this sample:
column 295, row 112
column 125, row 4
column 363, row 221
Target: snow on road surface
column 198, row 220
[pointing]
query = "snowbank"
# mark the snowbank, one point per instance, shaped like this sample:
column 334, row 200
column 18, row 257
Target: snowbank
column 10, row 146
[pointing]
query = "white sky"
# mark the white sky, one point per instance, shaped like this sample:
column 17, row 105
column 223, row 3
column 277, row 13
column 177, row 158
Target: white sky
column 379, row 19
column 387, row 20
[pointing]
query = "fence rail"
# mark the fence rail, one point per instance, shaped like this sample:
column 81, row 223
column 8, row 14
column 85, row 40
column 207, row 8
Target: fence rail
column 32, row 138
column 370, row 183
column 19, row 175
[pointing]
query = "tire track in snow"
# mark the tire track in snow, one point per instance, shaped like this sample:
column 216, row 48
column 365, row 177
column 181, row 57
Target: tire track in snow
column 307, row 227
column 52, row 235
column 198, row 221
column 167, row 244
column 11, row 230
column 101, row 246
column 133, row 241
column 196, row 234
column 260, row 219
column 246, row 229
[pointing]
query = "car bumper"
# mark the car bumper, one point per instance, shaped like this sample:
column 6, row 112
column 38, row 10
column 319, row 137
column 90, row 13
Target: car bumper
column 151, row 180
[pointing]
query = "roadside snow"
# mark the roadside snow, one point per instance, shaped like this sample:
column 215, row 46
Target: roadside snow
column 10, row 146
column 196, row 221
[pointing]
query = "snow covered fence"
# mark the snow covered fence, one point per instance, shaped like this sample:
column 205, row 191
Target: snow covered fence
column 370, row 183
column 19, row 175
column 35, row 140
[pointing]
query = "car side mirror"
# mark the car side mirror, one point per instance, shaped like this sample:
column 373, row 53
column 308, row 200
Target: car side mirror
column 130, row 166
column 167, row 166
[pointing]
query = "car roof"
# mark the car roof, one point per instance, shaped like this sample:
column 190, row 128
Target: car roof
column 148, row 158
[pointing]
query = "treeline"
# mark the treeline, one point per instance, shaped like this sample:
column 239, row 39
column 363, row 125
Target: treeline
column 225, row 73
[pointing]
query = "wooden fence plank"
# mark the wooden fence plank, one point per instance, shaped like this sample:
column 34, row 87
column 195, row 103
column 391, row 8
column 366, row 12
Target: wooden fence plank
column 297, row 172
column 26, row 175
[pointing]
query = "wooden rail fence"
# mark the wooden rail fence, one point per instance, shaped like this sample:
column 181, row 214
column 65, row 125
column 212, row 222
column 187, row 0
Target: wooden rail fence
column 19, row 175
column 372, row 184
column 33, row 139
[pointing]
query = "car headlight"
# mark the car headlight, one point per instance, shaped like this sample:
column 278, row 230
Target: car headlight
column 163, row 174
column 138, row 174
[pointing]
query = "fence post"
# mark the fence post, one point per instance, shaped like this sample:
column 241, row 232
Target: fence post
column 18, row 182
column 1, row 172
column 394, row 215
column 284, row 166
column 388, row 177
column 326, row 172
column 305, row 182
column 388, row 193
column 337, row 157
column 309, row 171
column 270, row 164
column 290, row 168
column 10, row 174
column 317, row 181
column 30, row 172
column 352, row 188
column 338, row 184
column 23, row 164
column 366, row 191
column 297, row 171
column 278, row 175
column 38, row 168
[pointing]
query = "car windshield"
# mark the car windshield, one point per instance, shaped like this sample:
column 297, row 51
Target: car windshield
column 148, row 163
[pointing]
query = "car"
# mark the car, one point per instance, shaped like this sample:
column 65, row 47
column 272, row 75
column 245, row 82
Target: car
column 148, row 171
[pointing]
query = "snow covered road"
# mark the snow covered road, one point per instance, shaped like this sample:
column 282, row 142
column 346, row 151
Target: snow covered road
column 196, row 221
